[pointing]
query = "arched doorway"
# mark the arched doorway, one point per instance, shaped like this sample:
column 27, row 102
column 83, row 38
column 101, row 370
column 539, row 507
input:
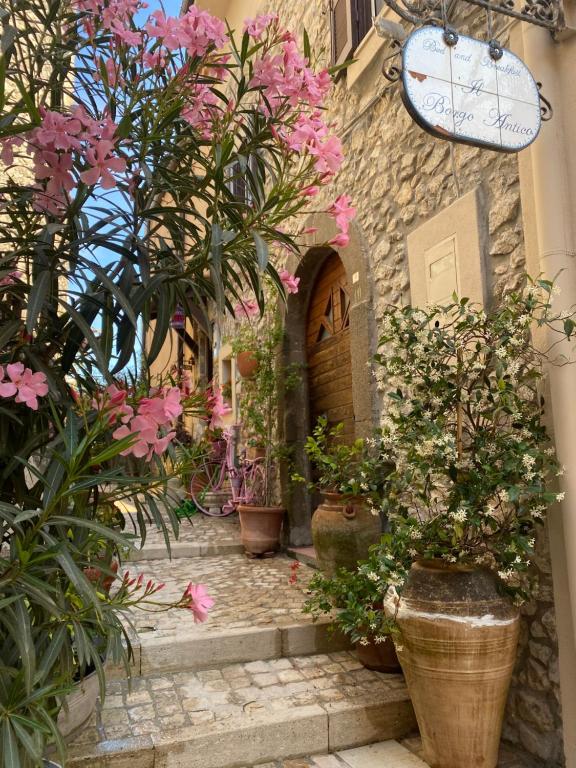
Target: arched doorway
column 329, row 358
column 351, row 320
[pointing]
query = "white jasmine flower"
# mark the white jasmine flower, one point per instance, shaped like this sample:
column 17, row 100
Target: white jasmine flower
column 560, row 496
column 373, row 576
column 459, row 515
column 364, row 641
column 380, row 639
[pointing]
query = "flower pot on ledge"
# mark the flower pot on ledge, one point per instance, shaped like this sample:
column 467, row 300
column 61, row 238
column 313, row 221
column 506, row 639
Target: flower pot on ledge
column 260, row 529
column 457, row 648
column 246, row 364
column 343, row 529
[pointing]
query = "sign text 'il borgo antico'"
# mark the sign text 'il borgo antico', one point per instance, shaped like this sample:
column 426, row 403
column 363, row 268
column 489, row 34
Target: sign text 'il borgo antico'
column 460, row 92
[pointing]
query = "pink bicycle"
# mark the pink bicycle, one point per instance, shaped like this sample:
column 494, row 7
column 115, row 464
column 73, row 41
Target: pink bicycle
column 244, row 479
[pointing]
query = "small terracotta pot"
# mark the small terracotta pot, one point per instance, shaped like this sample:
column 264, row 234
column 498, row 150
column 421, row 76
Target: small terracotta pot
column 246, row 364
column 260, row 528
column 94, row 574
column 381, row 657
column 255, row 452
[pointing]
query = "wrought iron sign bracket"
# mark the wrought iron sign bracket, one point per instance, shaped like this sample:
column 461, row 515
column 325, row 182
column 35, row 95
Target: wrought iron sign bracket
column 543, row 13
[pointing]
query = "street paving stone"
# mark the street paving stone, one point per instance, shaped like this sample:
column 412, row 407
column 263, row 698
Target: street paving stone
column 199, row 529
column 247, row 593
column 160, row 703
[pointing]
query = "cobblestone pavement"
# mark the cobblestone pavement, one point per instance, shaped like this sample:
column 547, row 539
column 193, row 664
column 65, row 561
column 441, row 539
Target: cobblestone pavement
column 247, row 593
column 200, row 529
column 157, row 704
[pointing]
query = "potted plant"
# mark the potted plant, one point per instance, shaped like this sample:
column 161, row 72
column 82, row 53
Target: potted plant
column 346, row 522
column 354, row 600
column 472, row 468
column 260, row 517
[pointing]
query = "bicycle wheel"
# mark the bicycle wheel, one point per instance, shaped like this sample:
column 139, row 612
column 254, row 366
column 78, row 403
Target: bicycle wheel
column 207, row 478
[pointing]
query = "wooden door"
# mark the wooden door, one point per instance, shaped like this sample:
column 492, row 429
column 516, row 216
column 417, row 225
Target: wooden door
column 328, row 348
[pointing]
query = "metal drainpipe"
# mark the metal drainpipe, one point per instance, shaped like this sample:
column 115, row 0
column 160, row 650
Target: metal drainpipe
column 553, row 196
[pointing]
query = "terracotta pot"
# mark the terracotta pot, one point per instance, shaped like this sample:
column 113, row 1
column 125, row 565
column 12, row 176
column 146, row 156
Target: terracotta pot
column 343, row 529
column 260, row 528
column 255, row 452
column 246, row 364
column 457, row 649
column 380, row 657
column 79, row 705
column 94, row 574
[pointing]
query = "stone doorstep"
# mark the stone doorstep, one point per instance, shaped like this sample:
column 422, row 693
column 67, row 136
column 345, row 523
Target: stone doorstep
column 260, row 737
column 176, row 654
column 184, row 549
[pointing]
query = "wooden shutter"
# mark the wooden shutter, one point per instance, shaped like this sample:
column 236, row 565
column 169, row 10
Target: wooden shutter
column 351, row 20
column 343, row 26
column 364, row 10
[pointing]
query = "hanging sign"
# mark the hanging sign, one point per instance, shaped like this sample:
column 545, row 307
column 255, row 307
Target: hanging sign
column 469, row 91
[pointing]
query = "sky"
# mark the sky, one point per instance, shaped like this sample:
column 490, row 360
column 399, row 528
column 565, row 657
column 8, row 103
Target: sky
column 171, row 8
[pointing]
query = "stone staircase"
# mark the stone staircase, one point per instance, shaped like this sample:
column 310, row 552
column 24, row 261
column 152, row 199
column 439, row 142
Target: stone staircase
column 257, row 683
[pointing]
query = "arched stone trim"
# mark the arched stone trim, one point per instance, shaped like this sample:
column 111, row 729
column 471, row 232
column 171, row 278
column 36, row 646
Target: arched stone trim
column 294, row 408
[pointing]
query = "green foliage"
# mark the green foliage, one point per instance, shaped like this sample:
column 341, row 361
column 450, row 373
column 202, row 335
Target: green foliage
column 260, row 394
column 358, row 469
column 353, row 600
column 473, row 464
column 186, row 510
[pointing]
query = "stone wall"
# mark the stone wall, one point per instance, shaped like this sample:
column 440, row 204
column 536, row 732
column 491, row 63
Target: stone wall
column 399, row 177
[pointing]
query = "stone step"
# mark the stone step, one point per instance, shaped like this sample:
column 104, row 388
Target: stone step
column 257, row 614
column 244, row 714
column 198, row 536
column 383, row 754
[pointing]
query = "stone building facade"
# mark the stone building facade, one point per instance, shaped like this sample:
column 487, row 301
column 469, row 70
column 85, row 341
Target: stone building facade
column 400, row 178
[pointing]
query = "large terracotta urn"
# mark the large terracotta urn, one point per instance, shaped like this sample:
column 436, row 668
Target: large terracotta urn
column 457, row 648
column 260, row 529
column 343, row 529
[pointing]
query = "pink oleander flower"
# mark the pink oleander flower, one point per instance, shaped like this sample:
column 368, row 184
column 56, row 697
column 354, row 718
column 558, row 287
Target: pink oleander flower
column 198, row 601
column 56, row 169
column 328, row 155
column 163, row 407
column 219, row 408
column 125, row 34
column 24, row 383
column 256, row 27
column 166, row 28
column 113, row 402
column 340, row 241
column 311, row 191
column 342, row 212
column 289, row 281
column 8, row 143
column 147, row 441
column 10, row 278
column 247, row 308
column 57, row 131
column 103, row 165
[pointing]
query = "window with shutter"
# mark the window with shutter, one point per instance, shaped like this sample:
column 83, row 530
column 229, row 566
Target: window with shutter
column 351, row 20
column 343, row 24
